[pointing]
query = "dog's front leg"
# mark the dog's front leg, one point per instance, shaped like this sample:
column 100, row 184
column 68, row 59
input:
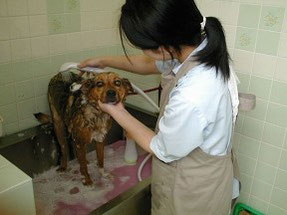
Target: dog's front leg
column 81, row 154
column 100, row 157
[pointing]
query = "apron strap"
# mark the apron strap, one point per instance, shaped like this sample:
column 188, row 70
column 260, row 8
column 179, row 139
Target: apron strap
column 184, row 69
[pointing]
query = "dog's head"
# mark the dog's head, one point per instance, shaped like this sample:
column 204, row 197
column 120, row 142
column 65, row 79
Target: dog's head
column 108, row 87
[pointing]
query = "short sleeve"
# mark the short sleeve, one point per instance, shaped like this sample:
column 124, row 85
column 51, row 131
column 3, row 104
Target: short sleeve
column 180, row 130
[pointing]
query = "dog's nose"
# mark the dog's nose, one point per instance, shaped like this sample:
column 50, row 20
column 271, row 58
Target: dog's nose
column 111, row 93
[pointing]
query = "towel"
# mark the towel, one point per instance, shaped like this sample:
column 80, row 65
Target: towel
column 233, row 91
column 232, row 86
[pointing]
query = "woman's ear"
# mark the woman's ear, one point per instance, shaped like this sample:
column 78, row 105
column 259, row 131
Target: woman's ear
column 167, row 52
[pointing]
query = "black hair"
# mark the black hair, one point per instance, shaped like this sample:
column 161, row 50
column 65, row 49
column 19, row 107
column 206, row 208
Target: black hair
column 149, row 24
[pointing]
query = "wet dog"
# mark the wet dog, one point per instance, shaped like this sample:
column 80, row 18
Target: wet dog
column 73, row 102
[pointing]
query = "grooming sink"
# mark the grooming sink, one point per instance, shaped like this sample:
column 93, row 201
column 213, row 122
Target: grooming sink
column 36, row 154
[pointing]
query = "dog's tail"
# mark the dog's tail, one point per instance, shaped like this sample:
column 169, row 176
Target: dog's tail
column 43, row 118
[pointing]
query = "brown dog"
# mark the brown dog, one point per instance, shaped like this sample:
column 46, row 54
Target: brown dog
column 74, row 106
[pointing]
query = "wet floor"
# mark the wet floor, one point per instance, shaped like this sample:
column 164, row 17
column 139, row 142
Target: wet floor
column 63, row 193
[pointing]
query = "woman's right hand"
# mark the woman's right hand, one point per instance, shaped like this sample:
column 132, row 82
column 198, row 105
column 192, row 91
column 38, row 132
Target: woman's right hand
column 93, row 62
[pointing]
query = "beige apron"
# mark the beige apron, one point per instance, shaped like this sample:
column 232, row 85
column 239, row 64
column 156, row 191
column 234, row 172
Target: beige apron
column 198, row 184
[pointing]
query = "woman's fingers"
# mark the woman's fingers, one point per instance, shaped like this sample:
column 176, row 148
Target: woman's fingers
column 108, row 108
column 92, row 62
column 85, row 63
column 105, row 107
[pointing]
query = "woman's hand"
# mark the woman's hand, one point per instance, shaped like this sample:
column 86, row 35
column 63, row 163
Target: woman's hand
column 110, row 108
column 93, row 62
column 137, row 131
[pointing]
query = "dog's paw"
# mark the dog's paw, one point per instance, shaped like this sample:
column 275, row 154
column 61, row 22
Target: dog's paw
column 87, row 181
column 61, row 169
column 106, row 174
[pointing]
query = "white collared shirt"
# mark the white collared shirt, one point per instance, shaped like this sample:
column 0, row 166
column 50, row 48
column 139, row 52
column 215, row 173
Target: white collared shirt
column 198, row 114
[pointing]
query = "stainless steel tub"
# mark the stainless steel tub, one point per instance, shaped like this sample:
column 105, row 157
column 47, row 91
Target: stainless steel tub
column 25, row 148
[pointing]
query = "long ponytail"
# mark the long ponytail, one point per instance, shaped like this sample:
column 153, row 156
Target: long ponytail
column 215, row 52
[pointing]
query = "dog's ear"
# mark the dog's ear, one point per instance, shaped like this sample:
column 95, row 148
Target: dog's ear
column 127, row 85
column 84, row 86
column 87, row 85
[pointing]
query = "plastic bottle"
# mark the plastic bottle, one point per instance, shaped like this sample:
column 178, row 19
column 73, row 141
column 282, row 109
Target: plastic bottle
column 131, row 155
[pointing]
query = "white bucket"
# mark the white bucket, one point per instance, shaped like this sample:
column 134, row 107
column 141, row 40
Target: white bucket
column 131, row 155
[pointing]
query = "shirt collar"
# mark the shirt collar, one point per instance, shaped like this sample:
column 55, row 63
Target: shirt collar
column 198, row 48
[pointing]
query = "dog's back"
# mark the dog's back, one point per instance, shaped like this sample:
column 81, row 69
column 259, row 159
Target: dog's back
column 59, row 90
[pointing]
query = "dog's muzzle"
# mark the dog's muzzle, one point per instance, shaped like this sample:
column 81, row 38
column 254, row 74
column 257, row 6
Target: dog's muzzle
column 111, row 96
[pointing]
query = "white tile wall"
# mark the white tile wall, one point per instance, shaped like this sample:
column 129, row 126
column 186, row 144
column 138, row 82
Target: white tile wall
column 41, row 87
column 88, row 40
column 39, row 47
column 88, row 21
column 209, row 7
column 228, row 12
column 21, row 71
column 74, row 41
column 17, row 7
column 264, row 65
column 19, row 27
column 36, row 7
column 21, row 49
column 105, row 20
column 28, row 122
column 243, row 61
column 38, row 25
column 3, row 8
column 58, row 44
column 5, row 51
column 7, row 94
column 282, row 51
column 4, row 25
column 88, row 5
column 280, row 72
column 9, row 113
column 26, row 108
column 230, row 32
column 6, row 74
column 284, row 26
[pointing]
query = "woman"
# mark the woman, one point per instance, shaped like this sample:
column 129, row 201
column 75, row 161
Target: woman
column 192, row 162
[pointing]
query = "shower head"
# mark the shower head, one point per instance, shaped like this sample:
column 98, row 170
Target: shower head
column 67, row 66
column 72, row 65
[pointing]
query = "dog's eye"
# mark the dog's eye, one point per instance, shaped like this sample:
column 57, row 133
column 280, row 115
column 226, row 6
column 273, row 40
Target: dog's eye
column 100, row 84
column 118, row 83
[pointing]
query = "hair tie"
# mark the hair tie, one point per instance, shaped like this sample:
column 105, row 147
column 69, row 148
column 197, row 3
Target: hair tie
column 202, row 24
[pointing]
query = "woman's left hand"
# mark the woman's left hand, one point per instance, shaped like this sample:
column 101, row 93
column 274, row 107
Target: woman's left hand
column 110, row 108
